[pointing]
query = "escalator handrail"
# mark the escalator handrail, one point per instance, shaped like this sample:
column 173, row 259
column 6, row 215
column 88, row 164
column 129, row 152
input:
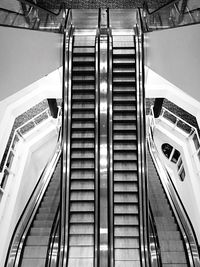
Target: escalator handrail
column 66, row 134
column 142, row 162
column 97, row 45
column 177, row 206
column 52, row 237
column 155, row 254
column 28, row 214
column 111, row 185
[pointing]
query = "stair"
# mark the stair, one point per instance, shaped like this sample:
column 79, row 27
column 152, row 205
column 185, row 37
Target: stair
column 125, row 174
column 36, row 244
column 82, row 173
column 170, row 240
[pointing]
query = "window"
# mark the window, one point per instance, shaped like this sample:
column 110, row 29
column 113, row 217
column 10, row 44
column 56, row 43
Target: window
column 167, row 149
column 182, row 174
column 175, row 156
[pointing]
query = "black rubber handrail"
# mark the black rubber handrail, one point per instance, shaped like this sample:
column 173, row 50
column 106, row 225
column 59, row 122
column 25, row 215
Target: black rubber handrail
column 156, row 261
column 52, row 238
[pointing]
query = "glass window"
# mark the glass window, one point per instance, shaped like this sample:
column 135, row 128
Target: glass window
column 175, row 156
column 196, row 142
column 167, row 149
column 182, row 174
column 179, row 164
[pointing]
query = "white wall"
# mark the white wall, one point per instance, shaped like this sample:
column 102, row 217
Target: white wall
column 26, row 56
column 174, row 55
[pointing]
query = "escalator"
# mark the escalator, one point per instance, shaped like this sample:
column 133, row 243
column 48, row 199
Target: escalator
column 125, row 171
column 31, row 239
column 172, row 248
column 37, row 240
column 82, row 154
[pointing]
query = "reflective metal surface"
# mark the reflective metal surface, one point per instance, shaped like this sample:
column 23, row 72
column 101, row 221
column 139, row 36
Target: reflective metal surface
column 103, row 142
column 67, row 62
column 142, row 166
column 111, row 197
column 96, row 252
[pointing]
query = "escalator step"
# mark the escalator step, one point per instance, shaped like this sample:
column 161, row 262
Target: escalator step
column 127, row 220
column 82, row 218
column 82, row 185
column 126, row 242
column 37, row 240
column 37, row 252
column 81, row 252
column 135, row 263
column 126, row 231
column 81, row 240
column 122, row 52
column 125, row 209
column 36, row 231
column 127, row 197
column 125, row 166
column 33, row 262
column 81, row 229
column 125, row 187
column 88, row 262
column 125, row 156
column 176, row 257
column 126, row 177
column 81, row 196
column 127, row 255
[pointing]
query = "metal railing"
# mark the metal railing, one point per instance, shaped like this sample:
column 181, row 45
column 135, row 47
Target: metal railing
column 66, row 129
column 185, row 225
column 173, row 14
column 187, row 130
column 19, row 135
column 141, row 135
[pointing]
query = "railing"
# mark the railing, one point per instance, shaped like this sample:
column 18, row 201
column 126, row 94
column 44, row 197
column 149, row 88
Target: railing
column 66, row 127
column 31, row 16
column 187, row 129
column 19, row 135
column 185, row 225
column 173, row 14
column 141, row 137
column 154, row 246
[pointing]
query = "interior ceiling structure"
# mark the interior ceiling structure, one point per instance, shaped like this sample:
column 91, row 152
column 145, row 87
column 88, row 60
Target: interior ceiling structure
column 55, row 4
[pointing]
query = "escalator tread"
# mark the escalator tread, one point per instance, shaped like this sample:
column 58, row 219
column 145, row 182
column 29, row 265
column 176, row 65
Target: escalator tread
column 125, row 169
column 82, row 172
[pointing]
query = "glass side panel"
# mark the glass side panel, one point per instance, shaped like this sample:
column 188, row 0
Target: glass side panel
column 176, row 14
column 32, row 17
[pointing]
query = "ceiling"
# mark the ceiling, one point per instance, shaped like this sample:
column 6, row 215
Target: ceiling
column 55, row 4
